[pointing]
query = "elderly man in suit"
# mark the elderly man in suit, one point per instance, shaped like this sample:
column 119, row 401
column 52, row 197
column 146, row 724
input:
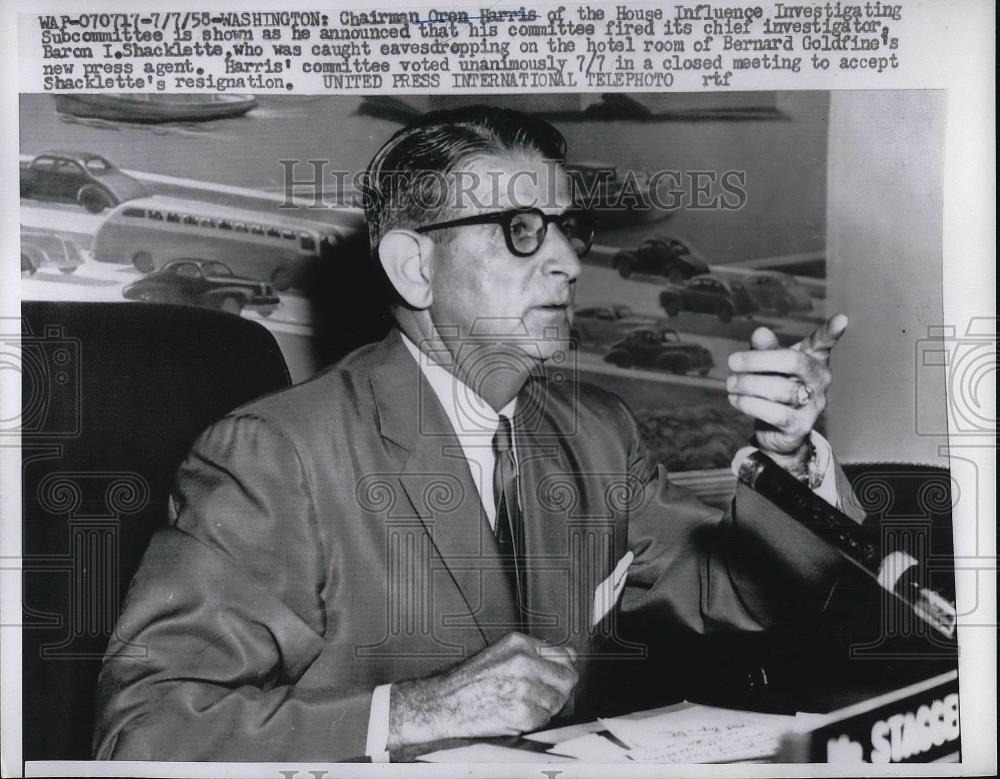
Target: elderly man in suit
column 436, row 536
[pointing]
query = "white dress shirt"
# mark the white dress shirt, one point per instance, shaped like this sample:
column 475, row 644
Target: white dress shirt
column 474, row 421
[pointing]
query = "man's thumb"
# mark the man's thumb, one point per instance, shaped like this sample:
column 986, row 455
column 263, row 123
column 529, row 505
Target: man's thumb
column 763, row 339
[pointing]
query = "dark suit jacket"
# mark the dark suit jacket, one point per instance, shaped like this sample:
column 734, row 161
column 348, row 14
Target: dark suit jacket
column 328, row 539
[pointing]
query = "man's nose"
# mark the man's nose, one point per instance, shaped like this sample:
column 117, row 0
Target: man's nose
column 560, row 256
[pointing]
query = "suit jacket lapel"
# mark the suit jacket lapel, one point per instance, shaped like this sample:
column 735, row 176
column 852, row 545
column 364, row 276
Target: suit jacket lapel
column 436, row 479
column 545, row 536
column 569, row 527
column 550, row 496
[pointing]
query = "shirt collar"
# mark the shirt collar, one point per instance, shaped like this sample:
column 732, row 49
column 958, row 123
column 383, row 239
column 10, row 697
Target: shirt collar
column 472, row 418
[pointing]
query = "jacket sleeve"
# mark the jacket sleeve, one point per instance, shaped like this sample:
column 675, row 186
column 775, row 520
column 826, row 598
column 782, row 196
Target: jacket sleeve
column 706, row 569
column 225, row 615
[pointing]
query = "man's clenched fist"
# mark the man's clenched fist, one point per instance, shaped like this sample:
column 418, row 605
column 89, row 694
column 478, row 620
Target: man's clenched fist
column 513, row 686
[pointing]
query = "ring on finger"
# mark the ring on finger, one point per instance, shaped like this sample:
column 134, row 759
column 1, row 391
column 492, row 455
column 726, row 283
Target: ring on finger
column 803, row 394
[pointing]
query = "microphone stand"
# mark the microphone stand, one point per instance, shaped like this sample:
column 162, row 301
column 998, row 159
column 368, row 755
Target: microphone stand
column 764, row 476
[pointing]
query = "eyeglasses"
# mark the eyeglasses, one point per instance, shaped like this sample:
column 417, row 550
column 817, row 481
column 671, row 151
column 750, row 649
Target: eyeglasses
column 524, row 229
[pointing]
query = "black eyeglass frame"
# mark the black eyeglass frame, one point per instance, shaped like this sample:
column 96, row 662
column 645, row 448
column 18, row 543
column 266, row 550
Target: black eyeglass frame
column 506, row 218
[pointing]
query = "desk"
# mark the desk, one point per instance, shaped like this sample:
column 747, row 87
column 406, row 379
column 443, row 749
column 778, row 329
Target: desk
column 916, row 723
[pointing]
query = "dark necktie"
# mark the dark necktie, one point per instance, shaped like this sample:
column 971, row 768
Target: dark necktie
column 507, row 529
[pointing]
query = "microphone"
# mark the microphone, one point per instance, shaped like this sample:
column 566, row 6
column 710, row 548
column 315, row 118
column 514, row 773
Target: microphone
column 898, row 573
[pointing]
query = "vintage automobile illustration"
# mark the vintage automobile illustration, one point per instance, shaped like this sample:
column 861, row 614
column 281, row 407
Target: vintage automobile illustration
column 204, row 283
column 779, row 292
column 42, row 249
column 662, row 349
column 661, row 256
column 601, row 324
column 725, row 298
column 149, row 232
column 78, row 177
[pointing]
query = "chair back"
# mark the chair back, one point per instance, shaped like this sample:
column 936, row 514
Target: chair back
column 113, row 397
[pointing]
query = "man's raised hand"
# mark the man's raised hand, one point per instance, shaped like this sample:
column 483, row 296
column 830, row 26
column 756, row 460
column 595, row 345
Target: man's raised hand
column 784, row 389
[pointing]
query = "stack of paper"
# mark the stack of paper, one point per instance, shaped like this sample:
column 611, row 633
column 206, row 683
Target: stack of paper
column 686, row 733
column 593, row 748
column 682, row 733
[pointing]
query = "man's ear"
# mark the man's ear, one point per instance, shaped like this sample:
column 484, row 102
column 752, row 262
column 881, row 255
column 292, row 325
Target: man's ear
column 405, row 256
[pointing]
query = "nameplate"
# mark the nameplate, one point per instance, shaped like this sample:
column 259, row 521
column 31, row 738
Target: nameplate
column 915, row 724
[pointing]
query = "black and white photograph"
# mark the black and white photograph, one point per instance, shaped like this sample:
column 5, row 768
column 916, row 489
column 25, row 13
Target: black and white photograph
column 496, row 429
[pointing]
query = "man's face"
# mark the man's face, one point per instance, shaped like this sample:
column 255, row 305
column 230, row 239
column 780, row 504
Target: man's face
column 480, row 289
